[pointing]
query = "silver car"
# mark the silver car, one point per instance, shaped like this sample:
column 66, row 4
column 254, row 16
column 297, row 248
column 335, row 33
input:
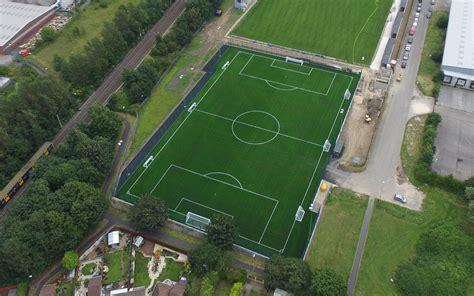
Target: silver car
column 400, row 198
column 406, row 55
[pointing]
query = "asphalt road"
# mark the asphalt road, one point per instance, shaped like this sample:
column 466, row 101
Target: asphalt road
column 114, row 80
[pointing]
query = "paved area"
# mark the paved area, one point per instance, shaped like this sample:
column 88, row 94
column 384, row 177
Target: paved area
column 455, row 141
column 360, row 247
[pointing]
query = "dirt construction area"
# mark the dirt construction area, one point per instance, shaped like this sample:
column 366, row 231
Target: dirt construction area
column 361, row 123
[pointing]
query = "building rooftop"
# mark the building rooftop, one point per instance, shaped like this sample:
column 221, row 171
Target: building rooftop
column 15, row 16
column 48, row 290
column 459, row 47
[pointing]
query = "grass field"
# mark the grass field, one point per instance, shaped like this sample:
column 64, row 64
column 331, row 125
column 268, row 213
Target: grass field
column 90, row 22
column 336, row 238
column 344, row 29
column 252, row 148
column 140, row 274
column 394, row 231
column 434, row 42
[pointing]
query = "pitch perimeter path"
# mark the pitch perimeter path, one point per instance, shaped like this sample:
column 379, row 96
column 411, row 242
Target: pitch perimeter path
column 250, row 147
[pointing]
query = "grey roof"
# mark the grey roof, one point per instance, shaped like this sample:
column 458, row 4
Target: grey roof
column 387, row 54
column 15, row 16
column 397, row 23
column 459, row 47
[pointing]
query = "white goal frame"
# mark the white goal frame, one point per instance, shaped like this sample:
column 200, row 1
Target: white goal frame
column 298, row 61
column 347, row 94
column 327, row 146
column 201, row 222
column 299, row 214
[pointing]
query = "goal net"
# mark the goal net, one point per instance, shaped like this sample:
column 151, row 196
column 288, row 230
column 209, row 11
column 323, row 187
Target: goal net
column 298, row 61
column 347, row 95
column 197, row 221
column 327, row 146
column 299, row 214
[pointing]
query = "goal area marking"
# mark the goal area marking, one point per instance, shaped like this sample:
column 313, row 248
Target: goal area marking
column 293, row 87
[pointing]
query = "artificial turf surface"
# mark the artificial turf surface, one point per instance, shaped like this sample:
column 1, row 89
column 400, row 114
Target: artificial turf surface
column 251, row 149
column 344, row 29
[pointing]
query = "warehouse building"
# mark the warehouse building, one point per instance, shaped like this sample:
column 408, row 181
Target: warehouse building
column 18, row 21
column 458, row 57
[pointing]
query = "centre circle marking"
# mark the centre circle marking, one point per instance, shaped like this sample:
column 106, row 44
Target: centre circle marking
column 236, row 120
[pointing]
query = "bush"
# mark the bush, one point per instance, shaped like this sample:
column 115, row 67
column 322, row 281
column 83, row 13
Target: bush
column 47, row 34
column 443, row 21
column 103, row 3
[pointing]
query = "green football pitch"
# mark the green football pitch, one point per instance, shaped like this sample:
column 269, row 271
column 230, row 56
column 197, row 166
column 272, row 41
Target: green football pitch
column 250, row 146
column 345, row 29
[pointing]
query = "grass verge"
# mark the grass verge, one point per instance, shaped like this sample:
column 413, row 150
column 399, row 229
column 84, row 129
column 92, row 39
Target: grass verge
column 118, row 266
column 394, row 231
column 140, row 275
column 89, row 268
column 90, row 22
column 434, row 42
column 336, row 238
column 172, row 271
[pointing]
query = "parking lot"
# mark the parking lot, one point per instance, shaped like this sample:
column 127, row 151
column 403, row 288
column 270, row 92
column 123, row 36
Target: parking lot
column 455, row 141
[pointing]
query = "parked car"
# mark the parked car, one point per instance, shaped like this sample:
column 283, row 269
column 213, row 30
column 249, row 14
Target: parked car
column 412, row 31
column 408, row 47
column 430, row 9
column 432, row 2
column 400, row 198
column 406, row 55
column 404, row 64
column 410, row 40
column 415, row 24
column 428, row 14
column 419, row 4
column 416, row 19
column 418, row 9
column 417, row 14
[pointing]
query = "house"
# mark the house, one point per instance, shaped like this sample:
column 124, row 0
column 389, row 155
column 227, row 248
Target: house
column 48, row 290
column 113, row 239
column 95, row 287
column 164, row 289
column 138, row 241
column 132, row 292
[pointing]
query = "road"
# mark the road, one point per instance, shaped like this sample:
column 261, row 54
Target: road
column 114, row 80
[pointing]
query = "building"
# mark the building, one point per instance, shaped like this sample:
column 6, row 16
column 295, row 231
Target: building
column 140, row 291
column 48, row 290
column 4, row 82
column 113, row 239
column 94, row 287
column 242, row 4
column 18, row 21
column 458, row 57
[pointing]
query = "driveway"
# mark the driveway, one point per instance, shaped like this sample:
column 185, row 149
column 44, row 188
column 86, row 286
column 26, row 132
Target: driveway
column 383, row 176
column 455, row 141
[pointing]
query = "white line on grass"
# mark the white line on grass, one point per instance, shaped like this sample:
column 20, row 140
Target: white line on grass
column 268, row 222
column 225, row 174
column 290, row 70
column 258, row 127
column 270, row 84
column 204, row 206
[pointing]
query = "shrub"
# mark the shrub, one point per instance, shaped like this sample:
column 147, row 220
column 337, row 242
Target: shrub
column 47, row 34
column 442, row 22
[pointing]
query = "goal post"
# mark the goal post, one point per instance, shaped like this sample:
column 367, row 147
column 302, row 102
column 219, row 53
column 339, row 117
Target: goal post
column 327, row 146
column 299, row 214
column 297, row 61
column 197, row 221
column 347, row 95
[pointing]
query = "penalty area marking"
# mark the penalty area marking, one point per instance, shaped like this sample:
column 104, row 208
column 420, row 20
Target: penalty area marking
column 225, row 174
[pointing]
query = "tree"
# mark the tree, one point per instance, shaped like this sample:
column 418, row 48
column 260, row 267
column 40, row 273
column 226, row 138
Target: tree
column 236, row 289
column 207, row 288
column 469, row 193
column 222, row 231
column 328, row 283
column 290, row 274
column 104, row 123
column 443, row 21
column 70, row 260
column 47, row 34
column 204, row 258
column 150, row 213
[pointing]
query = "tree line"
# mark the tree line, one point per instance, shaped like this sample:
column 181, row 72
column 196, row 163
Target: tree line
column 87, row 69
column 139, row 83
column 30, row 114
column 63, row 201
